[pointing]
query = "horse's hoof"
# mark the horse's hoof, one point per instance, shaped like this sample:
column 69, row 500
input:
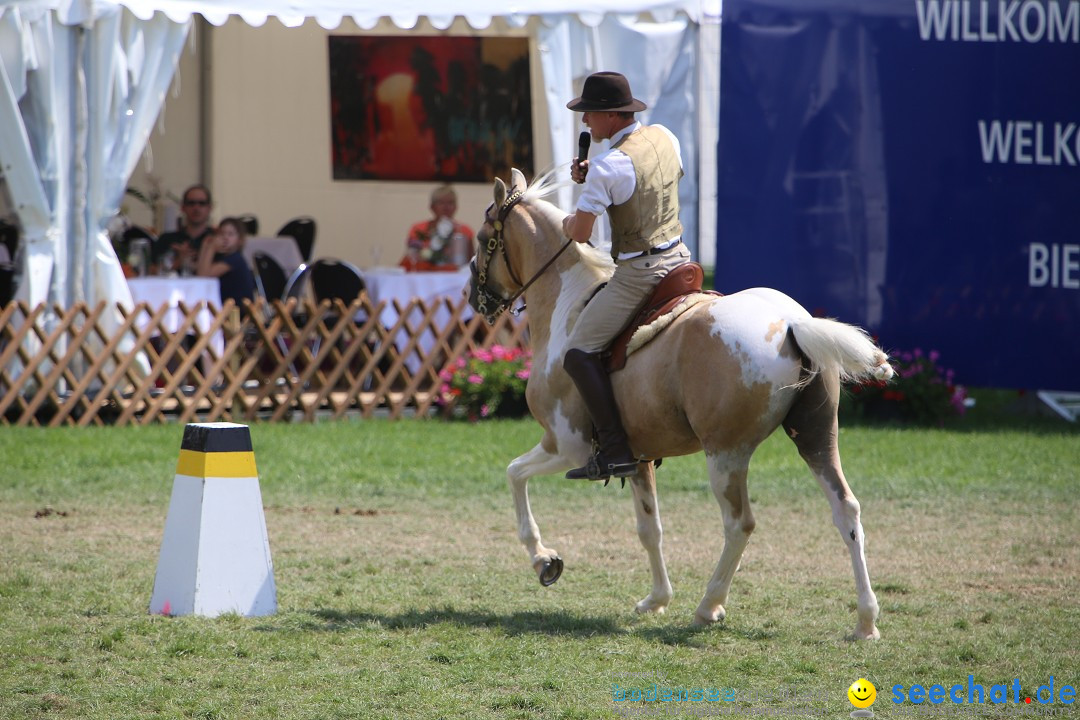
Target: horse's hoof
column 550, row 571
column 647, row 607
column 872, row 634
column 704, row 619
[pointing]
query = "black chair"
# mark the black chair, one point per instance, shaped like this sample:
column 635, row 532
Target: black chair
column 7, row 283
column 326, row 279
column 333, row 279
column 295, row 285
column 9, row 238
column 270, row 278
column 271, row 284
column 251, row 224
column 303, row 230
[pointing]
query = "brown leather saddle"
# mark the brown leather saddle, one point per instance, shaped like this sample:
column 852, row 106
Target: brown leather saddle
column 684, row 280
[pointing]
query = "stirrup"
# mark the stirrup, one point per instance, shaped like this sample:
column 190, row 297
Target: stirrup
column 595, row 470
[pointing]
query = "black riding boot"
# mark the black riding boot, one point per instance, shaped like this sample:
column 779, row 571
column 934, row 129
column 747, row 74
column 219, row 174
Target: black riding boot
column 592, row 381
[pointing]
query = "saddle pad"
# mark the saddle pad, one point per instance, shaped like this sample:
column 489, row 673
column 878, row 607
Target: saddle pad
column 645, row 333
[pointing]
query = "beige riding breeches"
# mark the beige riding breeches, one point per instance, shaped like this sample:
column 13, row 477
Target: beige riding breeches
column 616, row 304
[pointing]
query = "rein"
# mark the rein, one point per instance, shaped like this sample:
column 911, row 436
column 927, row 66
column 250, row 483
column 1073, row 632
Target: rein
column 484, row 294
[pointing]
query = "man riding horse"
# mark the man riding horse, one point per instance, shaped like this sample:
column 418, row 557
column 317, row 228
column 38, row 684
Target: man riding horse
column 636, row 182
column 730, row 370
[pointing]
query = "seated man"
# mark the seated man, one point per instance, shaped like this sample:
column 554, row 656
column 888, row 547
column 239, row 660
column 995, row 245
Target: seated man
column 441, row 243
column 178, row 251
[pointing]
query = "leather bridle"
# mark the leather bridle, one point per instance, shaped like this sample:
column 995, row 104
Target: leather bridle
column 484, row 299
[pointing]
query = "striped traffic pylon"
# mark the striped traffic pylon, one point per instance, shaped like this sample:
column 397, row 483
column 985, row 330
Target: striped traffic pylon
column 215, row 554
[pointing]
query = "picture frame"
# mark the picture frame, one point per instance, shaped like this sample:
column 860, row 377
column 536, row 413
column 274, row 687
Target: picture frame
column 429, row 108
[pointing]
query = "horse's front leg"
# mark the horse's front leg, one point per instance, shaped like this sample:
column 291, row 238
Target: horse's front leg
column 538, row 461
column 651, row 535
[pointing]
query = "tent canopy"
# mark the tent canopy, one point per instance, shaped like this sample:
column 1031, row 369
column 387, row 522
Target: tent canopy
column 330, row 13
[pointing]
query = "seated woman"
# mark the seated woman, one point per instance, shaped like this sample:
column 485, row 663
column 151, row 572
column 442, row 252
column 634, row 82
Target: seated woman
column 222, row 257
column 441, row 243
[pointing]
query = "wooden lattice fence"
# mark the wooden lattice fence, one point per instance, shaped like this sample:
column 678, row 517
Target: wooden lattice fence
column 284, row 361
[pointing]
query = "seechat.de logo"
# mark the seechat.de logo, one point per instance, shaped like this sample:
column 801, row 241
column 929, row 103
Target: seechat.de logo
column 973, row 692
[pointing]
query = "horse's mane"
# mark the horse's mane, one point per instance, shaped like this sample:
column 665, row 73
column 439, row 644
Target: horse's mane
column 547, row 184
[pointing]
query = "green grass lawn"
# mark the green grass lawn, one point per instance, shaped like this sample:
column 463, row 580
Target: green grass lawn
column 404, row 593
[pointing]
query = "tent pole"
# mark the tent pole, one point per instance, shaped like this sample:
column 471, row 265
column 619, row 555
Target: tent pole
column 204, row 51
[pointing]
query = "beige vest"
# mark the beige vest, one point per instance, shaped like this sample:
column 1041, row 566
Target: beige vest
column 650, row 217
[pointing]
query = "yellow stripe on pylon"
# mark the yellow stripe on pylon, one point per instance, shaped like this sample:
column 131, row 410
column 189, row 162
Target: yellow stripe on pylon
column 216, row 464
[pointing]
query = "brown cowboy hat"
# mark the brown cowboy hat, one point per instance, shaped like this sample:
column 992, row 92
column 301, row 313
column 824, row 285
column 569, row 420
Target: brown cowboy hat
column 606, row 92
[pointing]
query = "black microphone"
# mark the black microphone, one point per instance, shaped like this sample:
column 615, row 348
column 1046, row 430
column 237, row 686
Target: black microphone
column 583, row 142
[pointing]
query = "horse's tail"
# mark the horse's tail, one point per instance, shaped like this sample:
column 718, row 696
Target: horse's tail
column 833, row 346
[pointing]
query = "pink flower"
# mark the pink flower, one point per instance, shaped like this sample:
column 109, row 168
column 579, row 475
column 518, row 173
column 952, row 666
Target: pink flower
column 476, row 379
column 959, row 395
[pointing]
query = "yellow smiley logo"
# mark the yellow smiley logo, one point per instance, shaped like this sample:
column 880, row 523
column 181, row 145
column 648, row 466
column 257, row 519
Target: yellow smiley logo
column 862, row 693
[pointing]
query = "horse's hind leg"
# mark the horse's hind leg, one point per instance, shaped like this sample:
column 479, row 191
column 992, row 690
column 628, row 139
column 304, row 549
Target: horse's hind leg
column 538, row 461
column 651, row 535
column 812, row 425
column 727, row 475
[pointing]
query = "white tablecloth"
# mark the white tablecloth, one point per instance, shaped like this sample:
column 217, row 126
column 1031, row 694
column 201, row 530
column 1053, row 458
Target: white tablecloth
column 391, row 284
column 156, row 291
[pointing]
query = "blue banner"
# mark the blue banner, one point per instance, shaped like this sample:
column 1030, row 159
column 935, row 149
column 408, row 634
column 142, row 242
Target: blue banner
column 912, row 166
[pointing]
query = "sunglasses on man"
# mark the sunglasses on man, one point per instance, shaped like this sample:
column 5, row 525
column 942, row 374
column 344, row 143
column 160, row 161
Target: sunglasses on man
column 196, row 202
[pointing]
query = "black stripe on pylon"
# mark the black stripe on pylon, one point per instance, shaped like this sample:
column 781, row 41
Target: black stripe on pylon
column 216, row 437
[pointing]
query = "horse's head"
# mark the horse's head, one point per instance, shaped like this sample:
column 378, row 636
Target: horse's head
column 495, row 285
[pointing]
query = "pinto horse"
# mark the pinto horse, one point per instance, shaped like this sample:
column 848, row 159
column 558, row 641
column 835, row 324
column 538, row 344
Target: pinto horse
column 722, row 377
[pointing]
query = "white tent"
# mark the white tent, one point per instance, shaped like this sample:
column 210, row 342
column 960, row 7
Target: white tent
column 82, row 82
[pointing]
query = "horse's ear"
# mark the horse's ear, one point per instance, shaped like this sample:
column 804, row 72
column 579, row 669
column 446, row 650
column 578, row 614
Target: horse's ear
column 517, row 180
column 500, row 192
